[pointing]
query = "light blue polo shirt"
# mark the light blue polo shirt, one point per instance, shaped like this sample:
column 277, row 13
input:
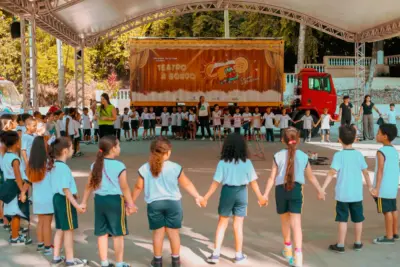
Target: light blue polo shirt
column 7, row 168
column 163, row 187
column 110, row 180
column 61, row 177
column 235, row 174
column 26, row 144
column 392, row 117
column 349, row 164
column 300, row 164
column 390, row 179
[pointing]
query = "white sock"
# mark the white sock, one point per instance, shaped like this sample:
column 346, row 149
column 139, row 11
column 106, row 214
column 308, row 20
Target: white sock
column 105, row 263
column 175, row 256
column 216, row 252
column 238, row 254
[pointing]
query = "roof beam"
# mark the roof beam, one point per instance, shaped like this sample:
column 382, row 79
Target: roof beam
column 381, row 32
column 219, row 5
column 46, row 22
column 50, row 6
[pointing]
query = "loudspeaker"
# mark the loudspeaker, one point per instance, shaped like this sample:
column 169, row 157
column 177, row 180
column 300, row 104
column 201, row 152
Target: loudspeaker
column 79, row 54
column 15, row 29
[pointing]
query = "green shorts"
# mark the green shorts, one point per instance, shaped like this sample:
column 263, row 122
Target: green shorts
column 64, row 213
column 1, row 177
column 146, row 124
column 233, row 201
column 354, row 208
column 109, row 215
column 289, row 201
column 165, row 213
column 386, row 204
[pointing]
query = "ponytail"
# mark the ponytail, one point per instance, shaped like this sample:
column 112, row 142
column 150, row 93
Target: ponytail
column 55, row 150
column 97, row 172
column 105, row 145
column 158, row 149
column 36, row 169
column 291, row 138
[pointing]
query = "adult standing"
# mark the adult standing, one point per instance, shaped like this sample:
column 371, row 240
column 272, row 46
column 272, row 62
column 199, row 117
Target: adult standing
column 346, row 111
column 367, row 117
column 106, row 115
column 204, row 115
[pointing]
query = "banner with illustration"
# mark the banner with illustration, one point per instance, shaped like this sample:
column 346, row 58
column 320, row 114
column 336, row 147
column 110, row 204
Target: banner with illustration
column 218, row 68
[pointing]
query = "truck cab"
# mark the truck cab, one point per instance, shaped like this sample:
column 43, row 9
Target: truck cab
column 10, row 99
column 315, row 91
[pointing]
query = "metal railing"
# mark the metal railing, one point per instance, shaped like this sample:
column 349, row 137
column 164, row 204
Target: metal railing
column 392, row 60
column 340, row 62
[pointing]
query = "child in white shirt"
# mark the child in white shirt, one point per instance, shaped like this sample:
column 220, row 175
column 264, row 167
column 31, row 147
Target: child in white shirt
column 165, row 119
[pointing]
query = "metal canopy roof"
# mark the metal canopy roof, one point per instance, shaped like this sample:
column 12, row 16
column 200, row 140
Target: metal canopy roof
column 88, row 22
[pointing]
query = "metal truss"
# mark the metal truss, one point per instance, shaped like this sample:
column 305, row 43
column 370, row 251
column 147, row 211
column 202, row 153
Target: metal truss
column 79, row 78
column 50, row 6
column 381, row 32
column 46, row 21
column 29, row 70
column 360, row 71
column 220, row 5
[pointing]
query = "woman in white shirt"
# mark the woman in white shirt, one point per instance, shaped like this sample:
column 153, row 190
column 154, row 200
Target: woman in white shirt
column 204, row 114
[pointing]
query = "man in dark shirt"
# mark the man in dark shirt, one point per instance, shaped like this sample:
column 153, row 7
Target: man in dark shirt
column 345, row 111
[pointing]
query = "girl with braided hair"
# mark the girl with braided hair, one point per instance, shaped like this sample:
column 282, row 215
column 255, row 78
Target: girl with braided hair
column 289, row 168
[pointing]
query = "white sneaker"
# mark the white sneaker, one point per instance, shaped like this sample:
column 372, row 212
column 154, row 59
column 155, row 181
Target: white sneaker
column 203, row 138
column 211, row 139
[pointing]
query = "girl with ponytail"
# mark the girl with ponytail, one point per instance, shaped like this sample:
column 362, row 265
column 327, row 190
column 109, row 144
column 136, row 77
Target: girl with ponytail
column 289, row 168
column 112, row 199
column 160, row 179
column 42, row 197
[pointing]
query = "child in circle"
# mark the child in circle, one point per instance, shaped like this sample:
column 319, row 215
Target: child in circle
column 235, row 172
column 42, row 198
column 108, row 181
column 289, row 169
column 65, row 203
column 160, row 179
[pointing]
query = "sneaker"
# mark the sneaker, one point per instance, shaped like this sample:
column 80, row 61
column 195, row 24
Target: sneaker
column 241, row 259
column 156, row 262
column 48, row 251
column 76, row 263
column 7, row 227
column 203, row 138
column 336, row 249
column 211, row 139
column 287, row 252
column 213, row 259
column 357, row 247
column 396, row 237
column 297, row 260
column 56, row 263
column 19, row 241
column 383, row 240
column 1, row 221
column 124, row 264
column 109, row 265
column 176, row 262
column 40, row 248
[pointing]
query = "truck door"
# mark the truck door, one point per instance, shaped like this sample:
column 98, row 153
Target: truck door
column 321, row 94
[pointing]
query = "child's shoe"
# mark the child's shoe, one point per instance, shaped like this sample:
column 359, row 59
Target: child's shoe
column 213, row 259
column 156, row 262
column 287, row 252
column 297, row 260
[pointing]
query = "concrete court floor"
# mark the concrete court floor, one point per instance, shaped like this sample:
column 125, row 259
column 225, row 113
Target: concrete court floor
column 262, row 242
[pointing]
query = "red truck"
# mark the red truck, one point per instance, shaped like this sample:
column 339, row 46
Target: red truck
column 229, row 72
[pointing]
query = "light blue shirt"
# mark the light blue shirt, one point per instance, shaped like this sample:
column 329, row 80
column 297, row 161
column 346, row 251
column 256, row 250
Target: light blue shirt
column 26, row 144
column 349, row 164
column 42, row 196
column 61, row 178
column 163, row 187
column 7, row 168
column 110, row 180
column 392, row 117
column 300, row 164
column 390, row 180
column 235, row 174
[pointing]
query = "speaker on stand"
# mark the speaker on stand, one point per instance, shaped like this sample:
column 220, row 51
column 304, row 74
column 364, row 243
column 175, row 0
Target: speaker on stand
column 15, row 29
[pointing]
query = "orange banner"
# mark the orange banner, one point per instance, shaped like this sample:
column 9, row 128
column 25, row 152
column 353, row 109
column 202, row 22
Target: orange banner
column 205, row 69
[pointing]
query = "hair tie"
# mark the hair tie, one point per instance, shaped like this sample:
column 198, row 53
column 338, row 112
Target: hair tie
column 292, row 142
column 101, row 150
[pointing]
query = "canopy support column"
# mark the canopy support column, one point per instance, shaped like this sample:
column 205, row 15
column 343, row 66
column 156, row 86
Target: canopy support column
column 226, row 23
column 359, row 73
column 79, row 77
column 29, row 61
column 301, row 46
column 61, row 73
